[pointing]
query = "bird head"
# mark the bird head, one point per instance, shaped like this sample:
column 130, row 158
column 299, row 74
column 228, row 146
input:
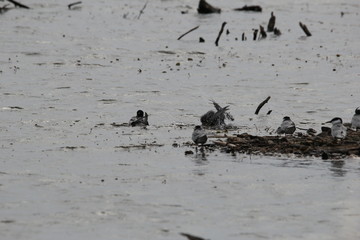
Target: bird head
column 335, row 120
column 140, row 113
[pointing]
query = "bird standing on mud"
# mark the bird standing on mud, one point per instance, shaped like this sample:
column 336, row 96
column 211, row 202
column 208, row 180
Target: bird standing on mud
column 287, row 126
column 199, row 135
column 355, row 121
column 338, row 130
column 216, row 119
column 140, row 119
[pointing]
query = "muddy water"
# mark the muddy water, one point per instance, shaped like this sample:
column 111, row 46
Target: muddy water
column 65, row 76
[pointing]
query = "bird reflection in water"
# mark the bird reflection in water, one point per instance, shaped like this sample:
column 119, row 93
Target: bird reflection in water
column 337, row 168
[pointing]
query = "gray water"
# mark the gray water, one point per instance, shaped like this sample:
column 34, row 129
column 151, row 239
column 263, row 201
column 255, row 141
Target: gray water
column 65, row 76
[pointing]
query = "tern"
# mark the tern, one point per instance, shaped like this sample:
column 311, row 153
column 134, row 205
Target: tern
column 140, row 119
column 287, row 126
column 338, row 130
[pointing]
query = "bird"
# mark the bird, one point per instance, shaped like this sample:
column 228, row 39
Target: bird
column 216, row 119
column 140, row 119
column 287, row 126
column 199, row 135
column 355, row 121
column 338, row 130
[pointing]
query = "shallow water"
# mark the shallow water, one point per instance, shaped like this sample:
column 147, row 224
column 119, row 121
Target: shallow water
column 65, row 76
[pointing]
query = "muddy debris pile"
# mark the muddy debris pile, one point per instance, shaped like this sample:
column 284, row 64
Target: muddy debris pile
column 300, row 145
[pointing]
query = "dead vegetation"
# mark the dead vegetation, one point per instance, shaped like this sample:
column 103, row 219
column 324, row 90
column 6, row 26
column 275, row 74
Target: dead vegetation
column 300, row 145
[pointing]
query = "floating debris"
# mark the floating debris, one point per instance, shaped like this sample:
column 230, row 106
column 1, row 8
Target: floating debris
column 16, row 107
column 206, row 8
column 193, row 29
column 142, row 146
column 301, row 145
column 189, row 152
column 107, row 101
column 255, row 34
column 119, row 124
column 4, row 8
column 277, row 32
column 73, row 5
column 261, row 105
column 254, row 8
column 191, row 237
column 219, row 35
column 263, row 34
column 17, row 4
column 142, row 10
column 166, row 52
column 72, row 147
column 271, row 24
column 305, row 29
column 243, row 37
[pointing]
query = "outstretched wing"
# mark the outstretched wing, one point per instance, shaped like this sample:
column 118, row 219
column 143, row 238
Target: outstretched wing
column 216, row 105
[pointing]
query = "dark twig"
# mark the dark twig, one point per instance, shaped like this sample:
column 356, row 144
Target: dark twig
column 277, row 32
column 262, row 32
column 261, row 105
column 221, row 31
column 255, row 34
column 17, row 4
column 305, row 29
column 191, row 237
column 193, row 29
column 142, row 10
column 73, row 4
column 4, row 8
column 243, row 37
column 254, row 8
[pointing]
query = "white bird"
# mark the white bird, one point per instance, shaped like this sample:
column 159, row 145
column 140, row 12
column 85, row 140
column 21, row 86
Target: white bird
column 139, row 120
column 287, row 126
column 338, row 130
column 355, row 121
column 199, row 135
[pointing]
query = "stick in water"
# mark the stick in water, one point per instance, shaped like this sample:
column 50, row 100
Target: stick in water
column 193, row 29
column 305, row 29
column 221, row 31
column 73, row 4
column 262, row 104
column 271, row 24
column 142, row 10
column 262, row 33
column 255, row 34
column 17, row 4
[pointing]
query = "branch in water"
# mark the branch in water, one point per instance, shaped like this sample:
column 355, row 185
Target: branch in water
column 17, row 4
column 193, row 29
column 305, row 29
column 262, row 104
column 73, row 4
column 221, row 31
column 142, row 10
